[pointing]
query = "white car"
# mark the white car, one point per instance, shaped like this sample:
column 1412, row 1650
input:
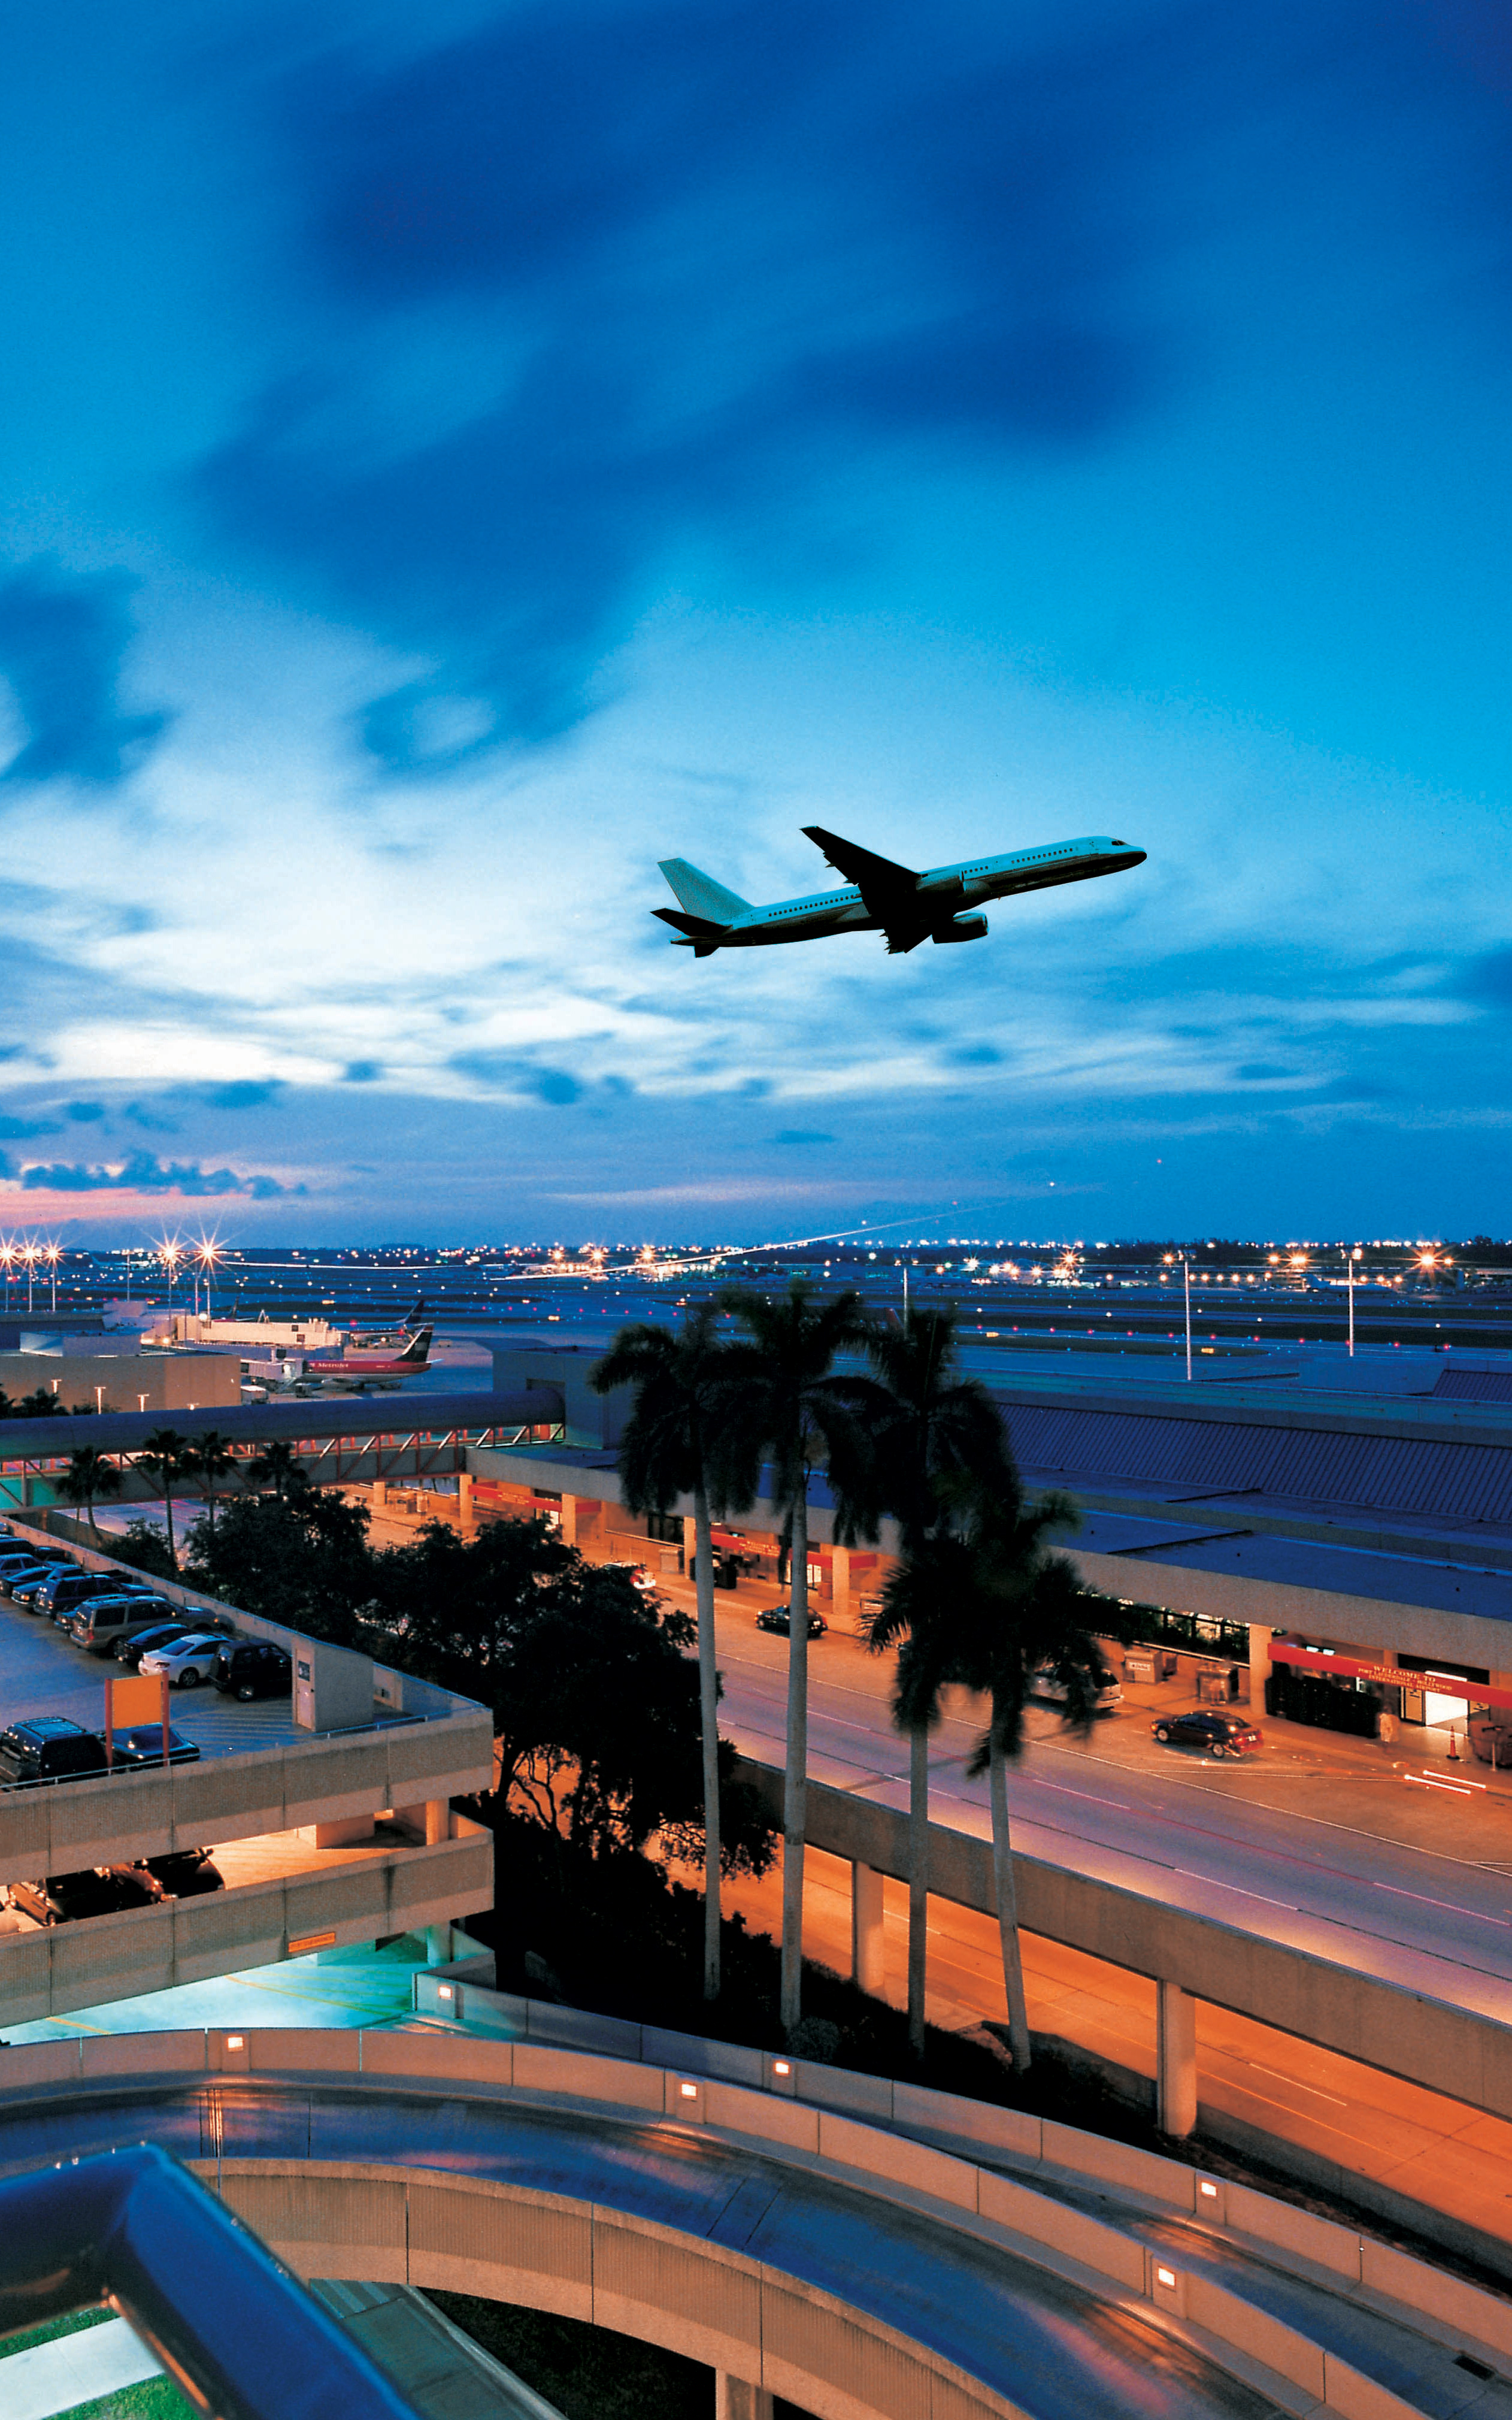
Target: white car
column 186, row 1661
column 1043, row 1683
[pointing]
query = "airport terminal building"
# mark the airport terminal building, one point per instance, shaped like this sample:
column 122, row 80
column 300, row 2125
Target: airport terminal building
column 1333, row 1535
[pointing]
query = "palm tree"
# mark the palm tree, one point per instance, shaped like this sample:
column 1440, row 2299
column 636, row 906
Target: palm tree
column 165, row 1453
column 687, row 1407
column 278, row 1467
column 88, row 1475
column 800, row 1414
column 941, row 1430
column 209, row 1458
column 1021, row 1610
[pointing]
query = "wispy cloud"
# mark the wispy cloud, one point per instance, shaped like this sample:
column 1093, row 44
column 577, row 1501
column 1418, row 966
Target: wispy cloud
column 62, row 640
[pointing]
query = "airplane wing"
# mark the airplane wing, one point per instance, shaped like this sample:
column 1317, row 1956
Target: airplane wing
column 888, row 892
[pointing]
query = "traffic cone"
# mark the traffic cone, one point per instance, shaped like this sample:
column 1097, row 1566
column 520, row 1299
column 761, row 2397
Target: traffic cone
column 1454, row 1746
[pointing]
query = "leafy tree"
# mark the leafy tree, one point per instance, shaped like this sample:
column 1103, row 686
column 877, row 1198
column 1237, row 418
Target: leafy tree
column 278, row 1467
column 88, row 1475
column 209, row 1458
column 1017, row 1609
column 595, row 1705
column 799, row 1413
column 143, row 1547
column 163, row 1453
column 939, row 1430
column 306, row 1562
column 688, row 1406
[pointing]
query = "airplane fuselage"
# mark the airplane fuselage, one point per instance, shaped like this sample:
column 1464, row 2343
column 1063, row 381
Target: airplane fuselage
column 947, row 888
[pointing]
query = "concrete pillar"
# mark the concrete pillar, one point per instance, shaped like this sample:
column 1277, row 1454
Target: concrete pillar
column 839, row 1587
column 438, row 1820
column 438, row 1945
column 1176, row 2061
column 568, row 1531
column 735, row 2398
column 1260, row 1665
column 868, row 1958
column 467, row 1520
column 345, row 1833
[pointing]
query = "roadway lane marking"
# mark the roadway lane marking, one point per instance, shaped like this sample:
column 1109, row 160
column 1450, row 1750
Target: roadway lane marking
column 1239, row 1888
column 1295, row 2082
column 1121, row 1804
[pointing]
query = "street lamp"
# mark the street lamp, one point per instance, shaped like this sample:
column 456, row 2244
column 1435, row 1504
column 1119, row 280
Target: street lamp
column 28, row 1254
column 53, row 1255
column 170, row 1259
column 1353, row 1257
column 8, row 1257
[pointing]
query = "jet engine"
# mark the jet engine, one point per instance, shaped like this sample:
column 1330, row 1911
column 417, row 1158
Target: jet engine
column 965, row 928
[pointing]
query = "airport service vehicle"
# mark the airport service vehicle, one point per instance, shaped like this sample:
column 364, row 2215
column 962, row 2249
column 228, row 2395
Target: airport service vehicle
column 49, row 1747
column 1219, row 1734
column 881, row 896
column 1043, row 1683
column 779, row 1618
column 186, row 1662
column 252, row 1668
column 183, row 1873
column 102, row 1622
column 98, row 1891
column 142, row 1744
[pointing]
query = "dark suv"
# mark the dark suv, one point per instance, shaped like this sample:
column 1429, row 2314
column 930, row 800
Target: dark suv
column 253, row 1669
column 60, row 1594
column 50, row 1748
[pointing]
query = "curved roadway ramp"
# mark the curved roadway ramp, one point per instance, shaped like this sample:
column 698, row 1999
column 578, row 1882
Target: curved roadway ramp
column 832, row 2280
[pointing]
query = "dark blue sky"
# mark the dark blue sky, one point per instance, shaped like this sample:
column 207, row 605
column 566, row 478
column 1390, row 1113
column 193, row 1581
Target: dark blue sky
column 453, row 460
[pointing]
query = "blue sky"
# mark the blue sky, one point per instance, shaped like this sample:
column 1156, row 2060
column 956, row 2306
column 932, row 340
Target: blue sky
column 454, row 459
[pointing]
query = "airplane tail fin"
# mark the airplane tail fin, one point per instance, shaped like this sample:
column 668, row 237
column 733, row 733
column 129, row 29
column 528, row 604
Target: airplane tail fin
column 418, row 1348
column 700, row 893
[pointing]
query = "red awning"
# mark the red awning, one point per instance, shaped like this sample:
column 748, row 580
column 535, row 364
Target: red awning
column 1342, row 1667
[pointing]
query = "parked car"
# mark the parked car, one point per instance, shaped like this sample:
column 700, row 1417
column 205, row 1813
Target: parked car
column 19, row 1579
column 142, row 1744
column 49, row 1747
column 133, row 1645
column 61, row 1594
column 63, row 1898
column 1043, row 1683
column 636, row 1573
column 102, row 1620
column 188, row 1661
column 184, row 1873
column 779, row 1618
column 1219, row 1734
column 253, row 1668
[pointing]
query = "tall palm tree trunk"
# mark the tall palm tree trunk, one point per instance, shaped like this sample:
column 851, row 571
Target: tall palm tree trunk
column 1008, row 1908
column 167, row 1506
column 796, row 1780
column 918, row 1885
column 709, row 1718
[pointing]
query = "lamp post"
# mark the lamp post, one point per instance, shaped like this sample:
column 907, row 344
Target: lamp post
column 7, row 1257
column 1353, row 1257
column 1186, row 1282
column 29, row 1256
column 53, row 1254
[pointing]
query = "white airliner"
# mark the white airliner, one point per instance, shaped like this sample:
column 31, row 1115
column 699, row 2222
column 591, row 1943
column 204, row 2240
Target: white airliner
column 881, row 896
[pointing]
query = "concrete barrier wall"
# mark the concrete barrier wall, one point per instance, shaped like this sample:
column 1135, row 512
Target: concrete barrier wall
column 334, row 2219
column 45, row 1974
column 61, row 1827
column 1386, row 2025
column 780, row 2101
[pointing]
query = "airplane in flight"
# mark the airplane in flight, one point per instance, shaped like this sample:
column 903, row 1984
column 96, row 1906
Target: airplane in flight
column 908, row 907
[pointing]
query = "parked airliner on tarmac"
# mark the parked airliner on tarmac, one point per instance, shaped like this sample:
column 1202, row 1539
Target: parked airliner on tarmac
column 908, row 906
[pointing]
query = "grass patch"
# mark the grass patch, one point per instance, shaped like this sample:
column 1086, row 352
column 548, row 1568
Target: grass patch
column 154, row 2399
column 49, row 2331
